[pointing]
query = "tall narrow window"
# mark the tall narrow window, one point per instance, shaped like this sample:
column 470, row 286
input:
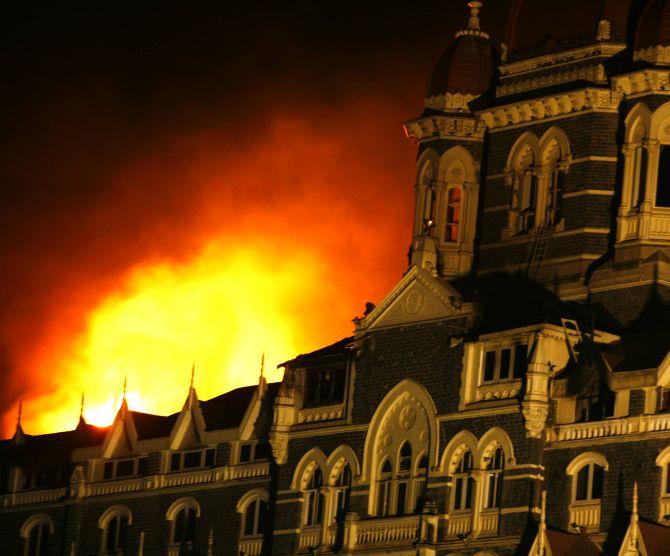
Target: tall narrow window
column 639, row 175
column 463, row 483
column 183, row 530
column 429, row 209
column 663, row 397
column 342, row 492
column 663, row 187
column 453, row 216
column 494, row 476
column 37, row 542
column 403, row 478
column 555, row 205
column 115, row 534
column 420, row 481
column 314, row 499
column 589, row 482
column 528, row 201
column 255, row 518
column 384, row 489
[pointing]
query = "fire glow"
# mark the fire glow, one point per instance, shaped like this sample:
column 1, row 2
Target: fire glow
column 270, row 249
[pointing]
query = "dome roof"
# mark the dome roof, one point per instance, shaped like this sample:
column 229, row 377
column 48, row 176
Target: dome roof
column 653, row 28
column 576, row 22
column 468, row 64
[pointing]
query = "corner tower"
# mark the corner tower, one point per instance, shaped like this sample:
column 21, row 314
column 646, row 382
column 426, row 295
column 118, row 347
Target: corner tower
column 451, row 144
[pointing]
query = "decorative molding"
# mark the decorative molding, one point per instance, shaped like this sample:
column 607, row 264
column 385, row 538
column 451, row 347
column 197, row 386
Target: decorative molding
column 643, row 81
column 316, row 414
column 450, row 102
column 602, row 49
column 643, row 424
column 595, row 73
column 445, row 127
column 658, row 54
column 575, row 102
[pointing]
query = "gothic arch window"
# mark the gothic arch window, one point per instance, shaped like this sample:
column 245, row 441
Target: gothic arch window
column 342, row 488
column 555, row 157
column 183, row 515
column 636, row 156
column 523, row 180
column 494, row 478
column 402, row 431
column 313, row 512
column 663, row 461
column 420, row 473
column 426, row 197
column 453, row 214
column 36, row 533
column 463, row 483
column 114, row 523
column 253, row 508
column 457, row 173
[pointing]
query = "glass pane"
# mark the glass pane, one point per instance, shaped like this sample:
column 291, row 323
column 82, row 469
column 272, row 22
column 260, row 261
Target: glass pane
column 209, row 457
column 125, row 468
column 179, row 526
column 174, row 462
column 401, row 499
column 468, row 497
column 520, row 360
column 123, row 528
column 245, row 453
column 109, row 470
column 190, row 525
column 111, row 534
column 340, row 380
column 406, row 457
column 249, row 517
column 489, row 365
column 505, row 363
column 597, row 490
column 192, row 459
column 642, row 177
column 458, row 494
column 263, row 451
column 386, row 467
column 142, row 466
column 582, row 483
column 262, row 517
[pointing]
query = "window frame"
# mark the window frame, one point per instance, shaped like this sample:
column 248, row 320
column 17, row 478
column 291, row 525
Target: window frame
column 180, row 455
column 514, row 350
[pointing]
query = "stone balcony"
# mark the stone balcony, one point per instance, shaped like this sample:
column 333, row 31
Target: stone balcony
column 251, row 546
column 585, row 514
column 642, row 424
column 33, row 497
column 380, row 532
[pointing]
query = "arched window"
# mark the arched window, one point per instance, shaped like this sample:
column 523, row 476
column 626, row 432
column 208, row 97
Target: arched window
column 36, row 532
column 589, row 482
column 384, row 489
column 183, row 514
column 553, row 202
column 403, row 478
column 255, row 517
column 114, row 523
column 524, row 190
column 342, row 492
column 463, row 483
column 314, row 499
column 640, row 160
column 420, row 480
column 494, row 475
column 453, row 216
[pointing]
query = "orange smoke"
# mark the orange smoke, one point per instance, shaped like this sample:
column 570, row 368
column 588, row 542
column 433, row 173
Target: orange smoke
column 221, row 248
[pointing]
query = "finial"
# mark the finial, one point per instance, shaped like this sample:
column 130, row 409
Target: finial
column 262, row 364
column 634, row 532
column 262, row 384
column 192, row 375
column 125, row 385
column 81, row 408
column 473, row 23
column 18, row 419
column 19, row 437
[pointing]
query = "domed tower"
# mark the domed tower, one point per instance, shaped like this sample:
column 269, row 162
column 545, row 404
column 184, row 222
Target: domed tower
column 450, row 140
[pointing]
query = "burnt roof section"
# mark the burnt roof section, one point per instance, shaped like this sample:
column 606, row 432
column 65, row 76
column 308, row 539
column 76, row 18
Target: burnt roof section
column 334, row 353
column 149, row 425
column 227, row 410
column 637, row 351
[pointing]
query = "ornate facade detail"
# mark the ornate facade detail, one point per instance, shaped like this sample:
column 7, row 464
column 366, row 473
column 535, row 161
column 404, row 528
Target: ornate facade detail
column 444, row 127
column 654, row 55
column 643, row 81
column 450, row 102
column 595, row 73
column 544, row 108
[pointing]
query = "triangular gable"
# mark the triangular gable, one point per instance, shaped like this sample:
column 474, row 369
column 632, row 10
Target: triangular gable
column 189, row 429
column 247, row 425
column 122, row 436
column 418, row 297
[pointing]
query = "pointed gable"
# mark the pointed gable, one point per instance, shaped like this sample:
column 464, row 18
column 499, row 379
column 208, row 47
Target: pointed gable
column 189, row 428
column 418, row 297
column 121, row 438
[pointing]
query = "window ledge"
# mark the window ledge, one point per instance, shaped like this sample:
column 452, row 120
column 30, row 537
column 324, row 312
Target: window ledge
column 500, row 390
column 321, row 413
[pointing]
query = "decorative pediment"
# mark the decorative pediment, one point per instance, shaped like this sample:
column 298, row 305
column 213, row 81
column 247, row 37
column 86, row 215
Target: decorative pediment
column 122, row 436
column 189, row 429
column 418, row 297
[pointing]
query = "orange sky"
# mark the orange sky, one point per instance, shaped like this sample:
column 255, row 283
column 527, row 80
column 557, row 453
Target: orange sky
column 270, row 242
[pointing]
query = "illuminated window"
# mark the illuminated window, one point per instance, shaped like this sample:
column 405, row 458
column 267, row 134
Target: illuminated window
column 453, row 216
column 314, row 499
column 463, row 483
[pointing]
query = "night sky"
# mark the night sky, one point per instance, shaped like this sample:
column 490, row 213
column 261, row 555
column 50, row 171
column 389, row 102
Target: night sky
column 131, row 132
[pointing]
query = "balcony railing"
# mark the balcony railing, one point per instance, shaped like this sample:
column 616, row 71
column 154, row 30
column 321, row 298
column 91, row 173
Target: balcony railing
column 611, row 427
column 585, row 514
column 488, row 522
column 250, row 547
column 389, row 531
column 664, row 509
column 459, row 524
column 33, row 497
column 310, row 537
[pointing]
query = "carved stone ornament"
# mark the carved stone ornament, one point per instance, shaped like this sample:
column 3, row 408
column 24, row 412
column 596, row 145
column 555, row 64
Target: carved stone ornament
column 414, row 303
column 654, row 54
column 407, row 417
column 536, row 420
column 445, row 127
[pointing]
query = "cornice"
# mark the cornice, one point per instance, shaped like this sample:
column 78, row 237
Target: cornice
column 594, row 72
column 555, row 59
column 445, row 127
column 575, row 102
column 643, row 81
column 658, row 54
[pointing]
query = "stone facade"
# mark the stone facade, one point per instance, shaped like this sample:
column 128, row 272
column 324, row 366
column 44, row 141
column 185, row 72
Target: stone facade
column 510, row 395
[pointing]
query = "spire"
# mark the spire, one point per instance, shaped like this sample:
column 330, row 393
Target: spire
column 262, row 384
column 634, row 528
column 124, row 402
column 125, row 386
column 473, row 23
column 19, row 436
column 192, row 376
column 210, row 542
column 82, row 420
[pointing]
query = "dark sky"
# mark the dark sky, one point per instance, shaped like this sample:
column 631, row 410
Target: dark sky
column 101, row 106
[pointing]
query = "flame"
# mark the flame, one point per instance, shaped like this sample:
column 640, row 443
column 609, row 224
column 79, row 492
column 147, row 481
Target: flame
column 210, row 253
